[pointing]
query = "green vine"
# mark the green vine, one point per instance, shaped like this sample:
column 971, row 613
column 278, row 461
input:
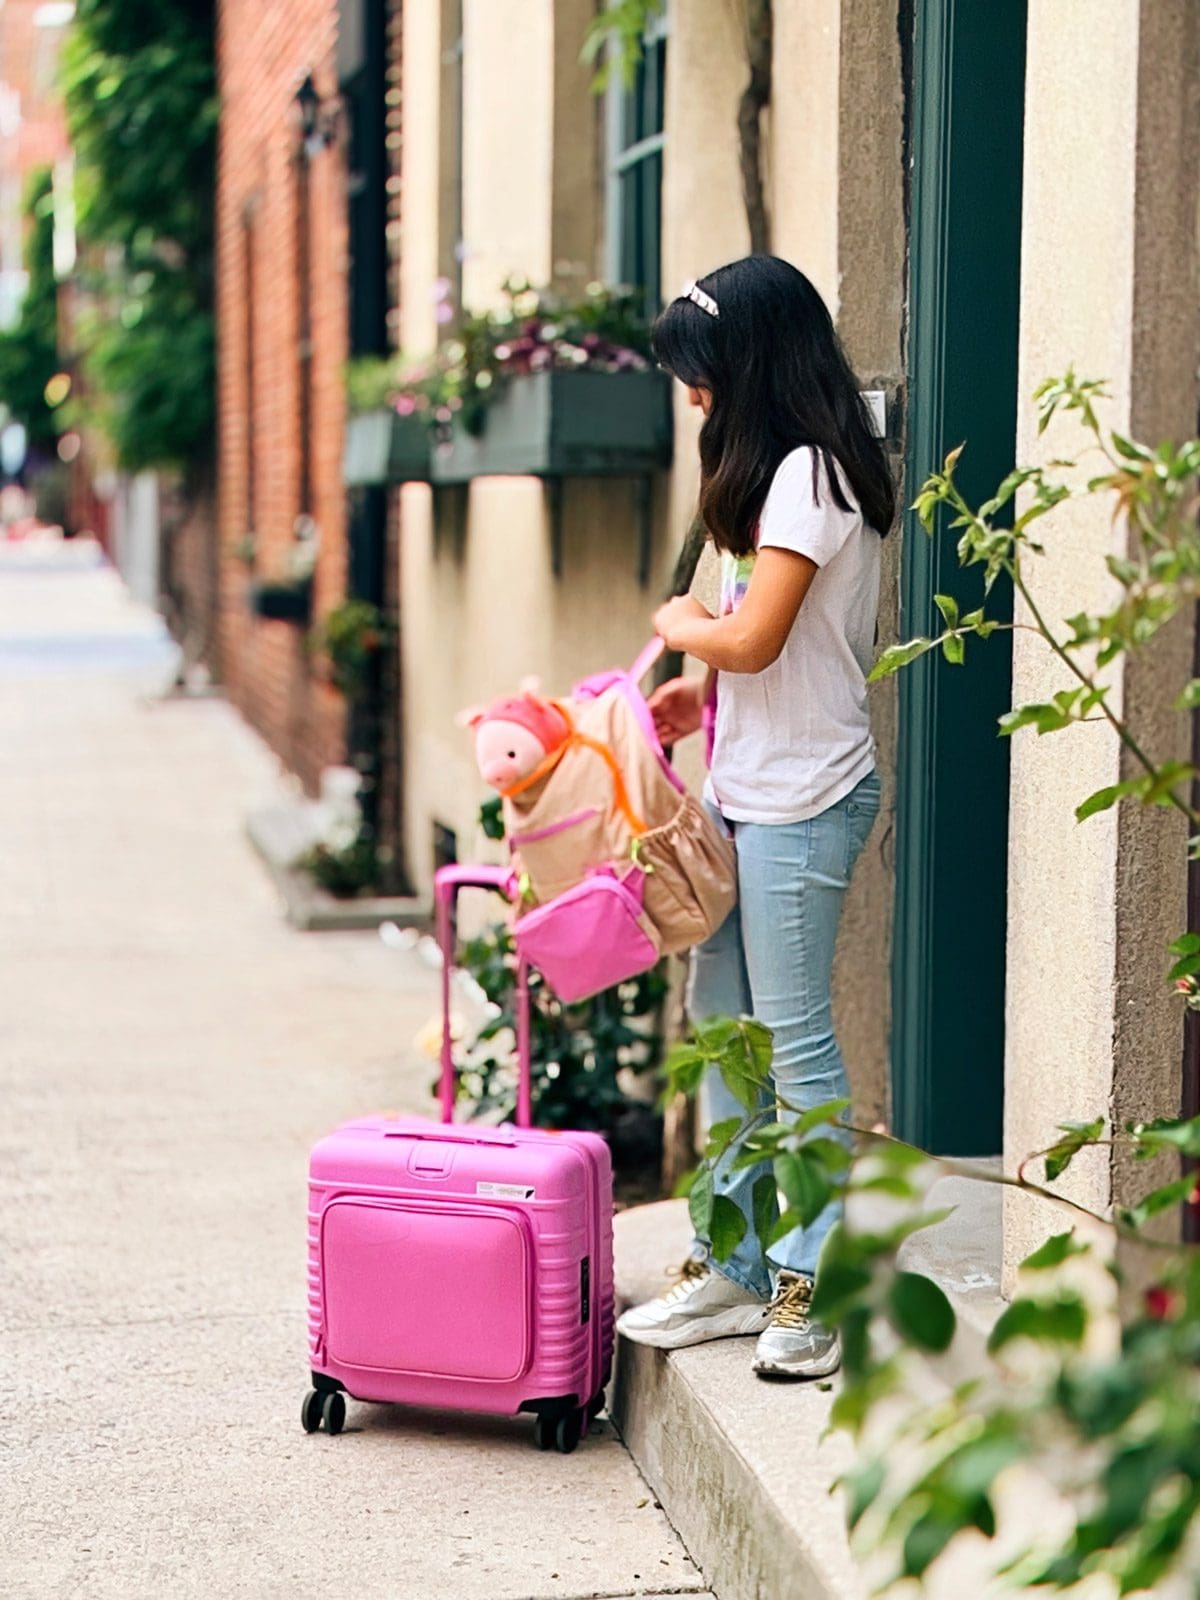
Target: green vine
column 618, row 35
column 140, row 91
column 29, row 357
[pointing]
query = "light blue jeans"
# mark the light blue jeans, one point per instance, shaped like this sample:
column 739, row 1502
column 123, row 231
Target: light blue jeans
column 772, row 959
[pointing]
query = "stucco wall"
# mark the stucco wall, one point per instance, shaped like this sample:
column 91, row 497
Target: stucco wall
column 482, row 608
column 1090, row 1028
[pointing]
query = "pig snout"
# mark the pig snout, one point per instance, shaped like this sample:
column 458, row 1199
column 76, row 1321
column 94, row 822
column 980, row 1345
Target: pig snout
column 501, row 771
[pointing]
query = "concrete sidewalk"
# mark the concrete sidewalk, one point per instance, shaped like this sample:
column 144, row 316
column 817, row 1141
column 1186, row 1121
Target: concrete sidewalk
column 169, row 1048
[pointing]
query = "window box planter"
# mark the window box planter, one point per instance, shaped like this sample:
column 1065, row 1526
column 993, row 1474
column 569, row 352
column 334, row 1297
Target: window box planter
column 384, row 447
column 282, row 602
column 565, row 425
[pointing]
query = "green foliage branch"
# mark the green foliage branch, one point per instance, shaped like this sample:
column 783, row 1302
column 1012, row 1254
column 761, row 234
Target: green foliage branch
column 140, row 91
column 615, row 39
column 350, row 635
column 29, row 349
column 1110, row 1417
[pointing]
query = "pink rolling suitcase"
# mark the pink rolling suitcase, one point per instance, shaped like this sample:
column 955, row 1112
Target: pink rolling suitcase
column 461, row 1266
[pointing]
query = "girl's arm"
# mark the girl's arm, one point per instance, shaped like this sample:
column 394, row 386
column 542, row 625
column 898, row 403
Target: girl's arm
column 750, row 638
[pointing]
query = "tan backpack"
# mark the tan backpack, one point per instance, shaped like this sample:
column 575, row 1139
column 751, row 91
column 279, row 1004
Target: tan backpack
column 617, row 863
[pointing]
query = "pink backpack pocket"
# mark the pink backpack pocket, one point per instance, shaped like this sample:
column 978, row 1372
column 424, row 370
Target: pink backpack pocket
column 593, row 936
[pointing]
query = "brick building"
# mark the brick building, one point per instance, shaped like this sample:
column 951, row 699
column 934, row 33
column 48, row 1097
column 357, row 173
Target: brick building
column 301, row 283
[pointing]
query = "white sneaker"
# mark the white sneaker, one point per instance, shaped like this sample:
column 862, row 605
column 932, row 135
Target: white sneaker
column 793, row 1345
column 703, row 1305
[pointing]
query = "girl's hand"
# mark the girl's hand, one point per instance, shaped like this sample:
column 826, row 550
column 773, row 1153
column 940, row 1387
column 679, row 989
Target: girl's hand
column 677, row 708
column 682, row 609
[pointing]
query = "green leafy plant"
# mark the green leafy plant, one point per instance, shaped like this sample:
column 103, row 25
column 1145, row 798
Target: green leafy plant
column 140, row 90
column 578, row 1051
column 29, row 357
column 531, row 330
column 615, row 37
column 350, row 635
column 1100, row 1402
column 343, row 868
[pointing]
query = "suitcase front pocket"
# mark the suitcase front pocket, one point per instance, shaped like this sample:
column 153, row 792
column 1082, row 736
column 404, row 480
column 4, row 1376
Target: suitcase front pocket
column 437, row 1291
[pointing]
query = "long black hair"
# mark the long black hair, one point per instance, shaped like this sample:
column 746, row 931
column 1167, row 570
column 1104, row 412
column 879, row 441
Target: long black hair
column 779, row 379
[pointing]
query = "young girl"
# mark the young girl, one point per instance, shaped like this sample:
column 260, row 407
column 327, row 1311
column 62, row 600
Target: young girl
column 796, row 495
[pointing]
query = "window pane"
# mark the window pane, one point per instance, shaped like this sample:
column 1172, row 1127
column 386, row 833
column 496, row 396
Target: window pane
column 637, row 190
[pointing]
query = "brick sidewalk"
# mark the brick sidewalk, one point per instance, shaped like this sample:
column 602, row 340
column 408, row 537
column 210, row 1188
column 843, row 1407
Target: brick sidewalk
column 168, row 1050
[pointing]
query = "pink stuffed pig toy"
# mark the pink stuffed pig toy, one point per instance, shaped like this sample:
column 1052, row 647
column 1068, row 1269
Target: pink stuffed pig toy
column 514, row 736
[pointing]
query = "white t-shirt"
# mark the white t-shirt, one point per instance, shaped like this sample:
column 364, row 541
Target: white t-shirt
column 795, row 738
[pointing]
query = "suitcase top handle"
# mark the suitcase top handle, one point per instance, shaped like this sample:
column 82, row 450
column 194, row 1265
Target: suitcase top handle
column 492, row 1136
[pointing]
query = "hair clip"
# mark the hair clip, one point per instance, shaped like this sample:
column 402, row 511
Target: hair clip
column 698, row 297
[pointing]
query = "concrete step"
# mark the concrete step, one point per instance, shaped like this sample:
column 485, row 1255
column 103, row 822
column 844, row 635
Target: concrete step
column 743, row 1467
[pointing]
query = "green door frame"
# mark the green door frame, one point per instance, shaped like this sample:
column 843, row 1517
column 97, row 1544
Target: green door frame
column 967, row 99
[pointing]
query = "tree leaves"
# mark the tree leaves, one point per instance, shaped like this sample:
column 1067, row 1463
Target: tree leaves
column 1077, row 1136
column 921, row 1312
column 897, row 656
column 1154, row 788
column 1061, row 1247
column 765, row 1206
column 700, row 1201
column 142, row 108
column 1062, row 1320
column 727, row 1227
column 804, row 1182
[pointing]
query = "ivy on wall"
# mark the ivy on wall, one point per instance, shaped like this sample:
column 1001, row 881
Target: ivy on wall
column 140, row 88
column 29, row 349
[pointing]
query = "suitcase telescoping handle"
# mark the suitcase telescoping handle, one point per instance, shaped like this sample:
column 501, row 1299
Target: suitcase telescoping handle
column 446, row 884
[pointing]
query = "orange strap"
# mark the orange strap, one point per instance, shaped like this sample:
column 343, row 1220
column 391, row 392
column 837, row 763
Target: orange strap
column 574, row 737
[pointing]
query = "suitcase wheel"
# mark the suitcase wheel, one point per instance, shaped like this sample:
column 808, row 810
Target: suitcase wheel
column 568, row 1430
column 310, row 1411
column 561, row 1430
column 595, row 1405
column 333, row 1413
column 318, row 1408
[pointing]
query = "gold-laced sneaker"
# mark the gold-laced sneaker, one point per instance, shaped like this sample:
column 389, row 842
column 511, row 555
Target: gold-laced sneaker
column 703, row 1304
column 792, row 1345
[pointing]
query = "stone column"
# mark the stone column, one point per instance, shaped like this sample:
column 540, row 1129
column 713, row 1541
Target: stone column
column 1108, row 285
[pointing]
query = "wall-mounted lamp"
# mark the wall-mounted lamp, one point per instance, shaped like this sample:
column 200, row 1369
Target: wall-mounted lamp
column 316, row 120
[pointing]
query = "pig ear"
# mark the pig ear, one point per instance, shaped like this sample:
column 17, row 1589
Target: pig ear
column 470, row 717
column 531, row 685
